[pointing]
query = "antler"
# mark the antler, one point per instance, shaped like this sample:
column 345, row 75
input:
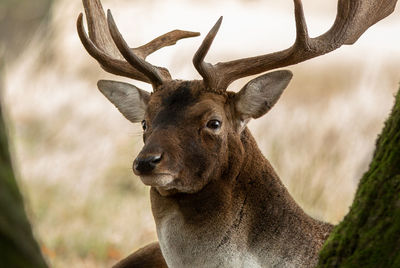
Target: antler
column 353, row 18
column 107, row 46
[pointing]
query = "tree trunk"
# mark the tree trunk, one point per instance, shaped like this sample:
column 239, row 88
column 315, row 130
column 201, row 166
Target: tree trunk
column 369, row 236
column 18, row 247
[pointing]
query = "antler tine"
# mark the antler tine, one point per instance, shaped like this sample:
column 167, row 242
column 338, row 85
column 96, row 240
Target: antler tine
column 205, row 69
column 164, row 40
column 107, row 62
column 141, row 65
column 352, row 20
column 301, row 25
column 97, row 27
column 100, row 44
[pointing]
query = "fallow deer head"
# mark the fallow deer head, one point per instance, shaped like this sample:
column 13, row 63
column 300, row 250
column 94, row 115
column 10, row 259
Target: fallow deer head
column 193, row 129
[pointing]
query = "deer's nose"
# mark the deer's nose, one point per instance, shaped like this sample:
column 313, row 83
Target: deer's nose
column 146, row 164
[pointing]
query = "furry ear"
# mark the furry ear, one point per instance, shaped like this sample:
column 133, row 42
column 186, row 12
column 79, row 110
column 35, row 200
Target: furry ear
column 130, row 100
column 258, row 96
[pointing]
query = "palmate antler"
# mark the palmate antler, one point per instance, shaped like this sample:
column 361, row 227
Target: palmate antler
column 353, row 18
column 107, row 46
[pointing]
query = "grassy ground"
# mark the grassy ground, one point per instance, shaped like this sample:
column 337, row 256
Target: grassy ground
column 73, row 150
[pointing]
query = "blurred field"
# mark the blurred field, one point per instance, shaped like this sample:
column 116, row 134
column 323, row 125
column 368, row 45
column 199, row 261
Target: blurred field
column 73, row 150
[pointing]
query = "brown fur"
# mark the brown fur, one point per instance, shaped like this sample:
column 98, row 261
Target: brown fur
column 227, row 199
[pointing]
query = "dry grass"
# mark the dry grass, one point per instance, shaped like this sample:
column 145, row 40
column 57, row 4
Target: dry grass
column 73, row 150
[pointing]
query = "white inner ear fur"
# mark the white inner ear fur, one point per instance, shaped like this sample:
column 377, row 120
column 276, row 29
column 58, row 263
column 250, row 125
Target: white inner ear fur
column 130, row 100
column 258, row 96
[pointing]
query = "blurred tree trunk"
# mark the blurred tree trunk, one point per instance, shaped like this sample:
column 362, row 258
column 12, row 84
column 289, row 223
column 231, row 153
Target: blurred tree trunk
column 18, row 247
column 369, row 236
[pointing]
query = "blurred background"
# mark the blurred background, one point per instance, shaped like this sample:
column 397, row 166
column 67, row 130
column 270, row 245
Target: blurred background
column 73, row 151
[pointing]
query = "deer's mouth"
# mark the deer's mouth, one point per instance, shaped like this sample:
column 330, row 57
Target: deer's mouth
column 164, row 180
column 165, row 184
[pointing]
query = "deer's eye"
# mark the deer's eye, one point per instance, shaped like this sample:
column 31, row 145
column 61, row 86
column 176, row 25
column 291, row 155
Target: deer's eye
column 214, row 124
column 144, row 125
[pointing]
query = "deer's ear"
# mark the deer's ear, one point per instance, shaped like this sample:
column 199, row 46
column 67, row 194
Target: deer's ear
column 130, row 100
column 258, row 96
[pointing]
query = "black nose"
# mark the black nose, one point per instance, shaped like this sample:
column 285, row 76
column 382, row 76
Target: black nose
column 146, row 164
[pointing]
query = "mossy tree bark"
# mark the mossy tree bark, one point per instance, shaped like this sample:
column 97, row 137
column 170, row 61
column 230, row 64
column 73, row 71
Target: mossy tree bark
column 18, row 247
column 369, row 236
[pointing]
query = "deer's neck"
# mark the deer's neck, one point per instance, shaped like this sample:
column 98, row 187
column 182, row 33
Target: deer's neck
column 244, row 219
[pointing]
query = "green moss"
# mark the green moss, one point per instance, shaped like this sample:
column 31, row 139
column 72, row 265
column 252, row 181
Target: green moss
column 369, row 236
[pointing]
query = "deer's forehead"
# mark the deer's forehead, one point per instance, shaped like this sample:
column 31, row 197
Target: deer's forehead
column 177, row 105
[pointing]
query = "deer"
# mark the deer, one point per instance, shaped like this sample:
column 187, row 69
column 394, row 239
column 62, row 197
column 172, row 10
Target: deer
column 216, row 200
